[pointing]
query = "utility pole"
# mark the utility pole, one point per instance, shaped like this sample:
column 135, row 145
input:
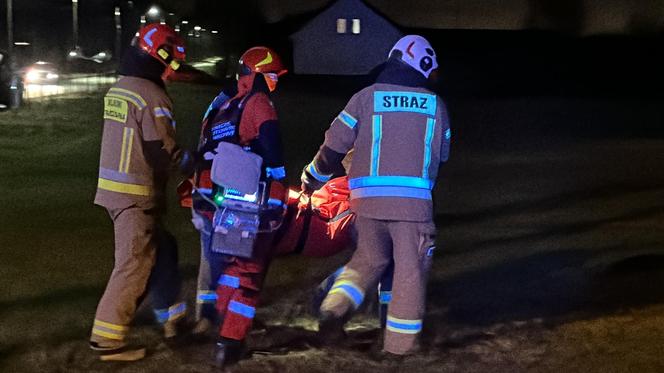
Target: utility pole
column 118, row 33
column 10, row 27
column 74, row 17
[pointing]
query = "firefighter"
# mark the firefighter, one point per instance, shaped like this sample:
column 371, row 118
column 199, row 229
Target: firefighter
column 138, row 151
column 248, row 119
column 400, row 134
column 205, row 313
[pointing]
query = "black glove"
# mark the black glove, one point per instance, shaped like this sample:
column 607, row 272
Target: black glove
column 309, row 183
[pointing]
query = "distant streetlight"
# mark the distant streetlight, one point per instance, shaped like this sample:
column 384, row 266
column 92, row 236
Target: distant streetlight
column 74, row 21
column 214, row 31
column 197, row 28
column 153, row 11
column 10, row 27
column 185, row 22
column 118, row 30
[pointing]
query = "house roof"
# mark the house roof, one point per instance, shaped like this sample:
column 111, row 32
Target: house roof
column 306, row 19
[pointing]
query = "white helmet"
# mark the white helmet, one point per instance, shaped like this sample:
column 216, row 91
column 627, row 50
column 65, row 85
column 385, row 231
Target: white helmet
column 417, row 53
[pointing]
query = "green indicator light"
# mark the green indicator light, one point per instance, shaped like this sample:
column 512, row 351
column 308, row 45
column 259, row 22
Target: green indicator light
column 219, row 199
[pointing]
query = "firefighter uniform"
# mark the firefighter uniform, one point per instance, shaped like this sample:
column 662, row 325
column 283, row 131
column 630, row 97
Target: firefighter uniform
column 250, row 120
column 400, row 134
column 138, row 151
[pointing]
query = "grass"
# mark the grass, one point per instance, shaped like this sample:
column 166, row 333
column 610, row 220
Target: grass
column 524, row 200
column 56, row 247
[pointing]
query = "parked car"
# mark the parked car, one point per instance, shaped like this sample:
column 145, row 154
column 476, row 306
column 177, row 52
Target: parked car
column 11, row 84
column 41, row 72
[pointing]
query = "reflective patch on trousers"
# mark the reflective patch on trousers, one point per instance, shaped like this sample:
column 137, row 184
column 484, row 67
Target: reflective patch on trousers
column 384, row 297
column 206, row 296
column 171, row 313
column 230, row 281
column 242, row 309
column 109, row 330
column 403, row 326
column 350, row 290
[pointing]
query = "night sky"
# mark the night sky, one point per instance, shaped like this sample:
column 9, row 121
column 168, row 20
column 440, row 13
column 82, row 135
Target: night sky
column 47, row 23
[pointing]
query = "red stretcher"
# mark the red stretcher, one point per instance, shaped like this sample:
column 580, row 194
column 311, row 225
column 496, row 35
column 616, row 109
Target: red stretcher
column 319, row 225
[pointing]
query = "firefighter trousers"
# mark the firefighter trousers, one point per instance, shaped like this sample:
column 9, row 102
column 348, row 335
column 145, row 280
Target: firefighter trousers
column 239, row 284
column 410, row 245
column 229, row 286
column 145, row 259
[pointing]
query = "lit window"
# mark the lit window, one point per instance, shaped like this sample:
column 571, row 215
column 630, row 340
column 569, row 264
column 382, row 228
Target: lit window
column 356, row 26
column 341, row 26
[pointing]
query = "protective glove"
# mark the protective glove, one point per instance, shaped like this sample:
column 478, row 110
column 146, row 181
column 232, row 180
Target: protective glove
column 309, row 183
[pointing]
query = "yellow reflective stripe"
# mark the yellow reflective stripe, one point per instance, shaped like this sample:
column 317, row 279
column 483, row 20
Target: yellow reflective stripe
column 108, row 325
column 107, row 334
column 404, row 321
column 114, row 186
column 122, row 149
column 347, row 282
column 129, row 145
column 130, row 93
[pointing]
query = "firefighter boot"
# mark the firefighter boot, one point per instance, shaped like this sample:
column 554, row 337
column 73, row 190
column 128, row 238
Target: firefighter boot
column 228, row 352
column 120, row 352
column 331, row 329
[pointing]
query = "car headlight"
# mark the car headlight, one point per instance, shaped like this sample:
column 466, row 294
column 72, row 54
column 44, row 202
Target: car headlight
column 51, row 76
column 31, row 76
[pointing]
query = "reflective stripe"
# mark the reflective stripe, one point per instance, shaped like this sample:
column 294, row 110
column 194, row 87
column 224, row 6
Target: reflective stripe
column 107, row 334
column 347, row 119
column 431, row 123
column 448, row 134
column 396, row 181
column 350, row 290
column 124, row 178
column 162, row 112
column 276, row 173
column 205, row 296
column 204, row 190
column 230, row 281
column 125, row 154
column 125, row 94
column 376, row 135
column 403, row 326
column 411, row 102
column 403, row 192
column 275, row 202
column 148, row 35
column 242, row 309
column 114, row 186
column 384, row 297
column 174, row 312
column 108, row 330
column 311, row 168
column 120, row 328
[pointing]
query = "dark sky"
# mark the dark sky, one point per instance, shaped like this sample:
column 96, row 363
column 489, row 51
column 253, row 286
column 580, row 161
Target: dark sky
column 587, row 16
column 48, row 22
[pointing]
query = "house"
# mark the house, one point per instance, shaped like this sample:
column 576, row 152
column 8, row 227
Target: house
column 346, row 38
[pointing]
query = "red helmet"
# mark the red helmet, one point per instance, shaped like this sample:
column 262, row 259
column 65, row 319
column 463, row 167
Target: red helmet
column 161, row 42
column 261, row 60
